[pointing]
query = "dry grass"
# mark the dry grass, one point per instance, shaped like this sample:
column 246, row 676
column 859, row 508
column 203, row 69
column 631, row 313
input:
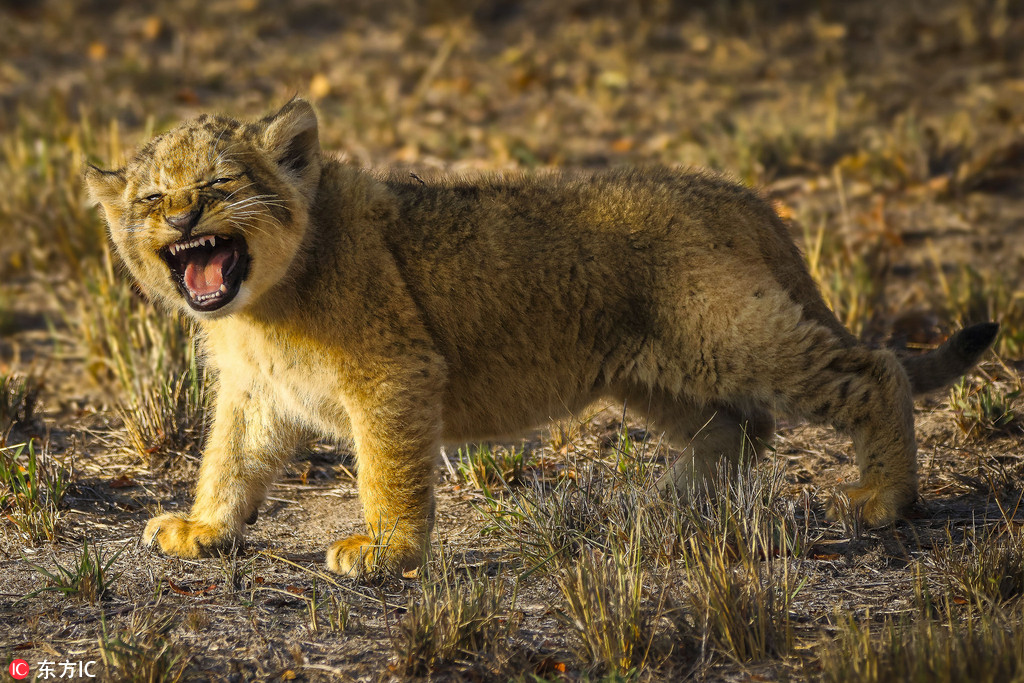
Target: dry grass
column 741, row 568
column 459, row 619
column 606, row 605
column 143, row 652
column 19, row 396
column 985, row 409
column 888, row 134
column 32, row 488
column 985, row 646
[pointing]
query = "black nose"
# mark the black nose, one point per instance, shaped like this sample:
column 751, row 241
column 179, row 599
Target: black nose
column 183, row 221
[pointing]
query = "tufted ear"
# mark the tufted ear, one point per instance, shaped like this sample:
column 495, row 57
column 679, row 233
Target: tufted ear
column 106, row 189
column 292, row 139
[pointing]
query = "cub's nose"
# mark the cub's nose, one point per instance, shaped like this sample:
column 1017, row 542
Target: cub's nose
column 184, row 221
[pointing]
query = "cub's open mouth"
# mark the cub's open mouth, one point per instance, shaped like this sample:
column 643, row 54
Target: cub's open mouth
column 208, row 269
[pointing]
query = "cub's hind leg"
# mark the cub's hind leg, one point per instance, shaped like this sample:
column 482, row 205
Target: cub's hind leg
column 873, row 402
column 711, row 437
column 797, row 366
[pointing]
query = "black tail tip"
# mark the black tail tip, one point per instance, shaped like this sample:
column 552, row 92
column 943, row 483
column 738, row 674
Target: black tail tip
column 974, row 340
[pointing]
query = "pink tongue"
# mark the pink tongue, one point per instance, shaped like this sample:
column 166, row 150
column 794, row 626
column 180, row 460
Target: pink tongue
column 206, row 278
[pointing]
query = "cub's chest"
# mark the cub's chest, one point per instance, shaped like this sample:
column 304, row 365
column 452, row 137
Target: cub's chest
column 301, row 381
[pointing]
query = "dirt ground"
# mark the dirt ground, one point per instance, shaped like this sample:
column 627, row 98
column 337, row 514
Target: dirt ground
column 891, row 134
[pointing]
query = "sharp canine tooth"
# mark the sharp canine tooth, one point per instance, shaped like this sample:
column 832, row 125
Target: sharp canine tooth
column 213, row 240
column 223, row 289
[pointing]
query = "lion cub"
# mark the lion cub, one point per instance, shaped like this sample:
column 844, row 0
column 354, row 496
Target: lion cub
column 404, row 314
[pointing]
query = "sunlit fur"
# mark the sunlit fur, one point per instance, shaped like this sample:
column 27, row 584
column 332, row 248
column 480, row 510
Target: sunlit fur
column 405, row 312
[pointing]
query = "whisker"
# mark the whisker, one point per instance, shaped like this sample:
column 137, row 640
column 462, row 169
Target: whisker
column 214, row 147
column 237, row 191
column 257, row 199
column 224, row 152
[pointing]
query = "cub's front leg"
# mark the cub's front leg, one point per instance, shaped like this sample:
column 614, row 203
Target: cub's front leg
column 396, row 425
column 246, row 448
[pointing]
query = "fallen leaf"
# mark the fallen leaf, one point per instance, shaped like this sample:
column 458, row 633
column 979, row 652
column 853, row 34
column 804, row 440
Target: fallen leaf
column 97, row 51
column 152, row 27
column 185, row 591
column 622, row 145
column 187, row 96
column 826, row 556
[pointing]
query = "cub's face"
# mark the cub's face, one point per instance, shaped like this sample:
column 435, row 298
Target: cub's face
column 209, row 216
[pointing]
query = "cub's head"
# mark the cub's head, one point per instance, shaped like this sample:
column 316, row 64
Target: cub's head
column 210, row 215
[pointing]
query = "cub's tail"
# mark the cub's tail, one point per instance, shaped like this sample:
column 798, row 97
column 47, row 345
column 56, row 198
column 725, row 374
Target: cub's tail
column 956, row 356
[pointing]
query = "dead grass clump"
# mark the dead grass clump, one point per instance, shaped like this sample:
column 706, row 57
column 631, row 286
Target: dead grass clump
column 984, row 410
column 127, row 342
column 144, row 651
column 987, row 647
column 456, row 620
column 603, row 534
column 741, row 571
column 19, row 398
column 593, row 504
column 605, row 603
column 168, row 420
column 986, row 569
column 742, row 610
column 148, row 359
column 550, row 523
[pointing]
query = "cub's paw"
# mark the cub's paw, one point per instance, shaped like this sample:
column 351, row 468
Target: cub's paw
column 360, row 555
column 185, row 538
column 877, row 506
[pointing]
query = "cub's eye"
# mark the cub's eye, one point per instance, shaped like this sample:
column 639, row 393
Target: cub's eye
column 221, row 181
column 153, row 197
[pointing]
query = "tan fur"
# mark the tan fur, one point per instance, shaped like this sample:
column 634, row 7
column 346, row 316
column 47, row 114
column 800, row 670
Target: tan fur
column 405, row 313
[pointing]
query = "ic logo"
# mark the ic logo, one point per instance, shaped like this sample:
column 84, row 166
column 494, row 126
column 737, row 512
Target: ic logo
column 19, row 669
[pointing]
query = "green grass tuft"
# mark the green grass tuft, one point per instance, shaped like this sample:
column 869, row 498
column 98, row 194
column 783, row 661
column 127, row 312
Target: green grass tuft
column 32, row 488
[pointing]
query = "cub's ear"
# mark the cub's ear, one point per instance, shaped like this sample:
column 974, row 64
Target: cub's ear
column 106, row 188
column 292, row 139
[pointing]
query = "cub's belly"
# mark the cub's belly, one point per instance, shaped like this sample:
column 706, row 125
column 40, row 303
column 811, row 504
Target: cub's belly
column 478, row 414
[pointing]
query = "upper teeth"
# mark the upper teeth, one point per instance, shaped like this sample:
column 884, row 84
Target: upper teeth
column 208, row 240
